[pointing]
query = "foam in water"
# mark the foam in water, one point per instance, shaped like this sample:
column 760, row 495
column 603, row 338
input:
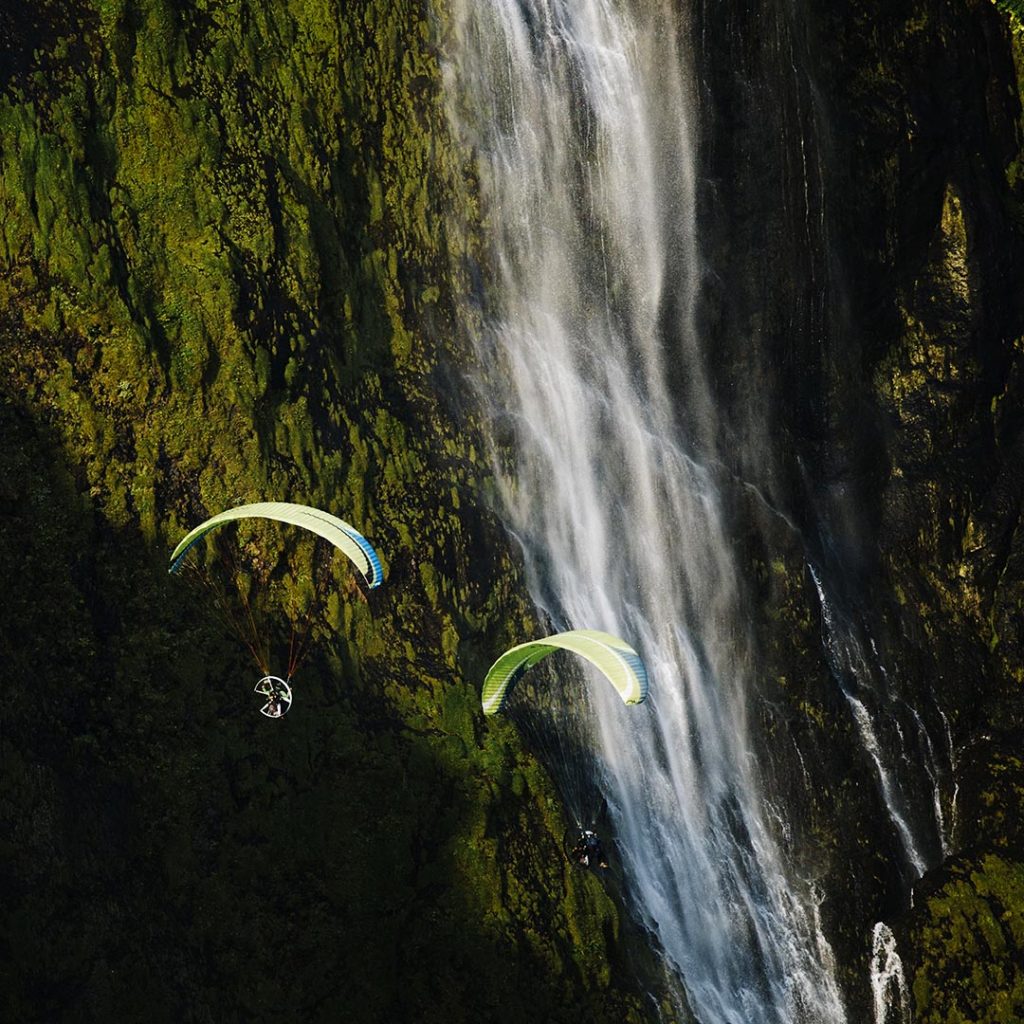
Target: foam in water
column 888, row 982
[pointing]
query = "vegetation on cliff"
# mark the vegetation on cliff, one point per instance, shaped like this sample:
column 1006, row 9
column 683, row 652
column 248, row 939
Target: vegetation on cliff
column 1014, row 9
column 226, row 275
column 223, row 268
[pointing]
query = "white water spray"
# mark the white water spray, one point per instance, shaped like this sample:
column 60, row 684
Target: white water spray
column 888, row 982
column 582, row 117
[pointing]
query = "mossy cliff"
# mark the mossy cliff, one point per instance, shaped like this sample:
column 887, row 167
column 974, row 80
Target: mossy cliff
column 228, row 273
column 965, row 934
column 222, row 259
column 866, row 206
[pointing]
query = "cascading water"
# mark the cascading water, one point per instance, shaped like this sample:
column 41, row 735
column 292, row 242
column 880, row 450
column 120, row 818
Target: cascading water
column 924, row 838
column 581, row 114
column 888, row 982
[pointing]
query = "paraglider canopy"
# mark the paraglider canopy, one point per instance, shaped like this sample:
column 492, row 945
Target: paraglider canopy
column 554, row 727
column 339, row 533
column 278, row 694
column 619, row 663
column 263, row 585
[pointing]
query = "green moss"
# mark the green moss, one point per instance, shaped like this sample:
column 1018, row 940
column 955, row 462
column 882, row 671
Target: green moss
column 220, row 231
column 1014, row 9
column 970, row 942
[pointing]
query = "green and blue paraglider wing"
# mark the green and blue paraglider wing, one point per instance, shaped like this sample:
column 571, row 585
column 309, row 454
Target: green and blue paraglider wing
column 620, row 664
column 339, row 533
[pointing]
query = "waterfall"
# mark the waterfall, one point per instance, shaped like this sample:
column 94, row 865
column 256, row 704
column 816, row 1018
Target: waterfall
column 582, row 118
column 888, row 982
column 923, row 837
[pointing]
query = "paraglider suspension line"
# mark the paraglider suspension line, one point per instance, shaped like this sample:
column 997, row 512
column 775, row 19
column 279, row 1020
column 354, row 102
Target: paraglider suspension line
column 252, row 640
column 225, row 612
column 297, row 650
column 263, row 661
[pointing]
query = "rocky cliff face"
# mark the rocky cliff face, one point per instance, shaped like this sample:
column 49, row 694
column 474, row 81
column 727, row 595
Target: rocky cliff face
column 222, row 262
column 224, row 268
column 864, row 204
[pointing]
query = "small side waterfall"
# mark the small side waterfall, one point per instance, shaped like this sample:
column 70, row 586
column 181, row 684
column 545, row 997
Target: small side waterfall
column 888, row 983
column 917, row 816
column 581, row 114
